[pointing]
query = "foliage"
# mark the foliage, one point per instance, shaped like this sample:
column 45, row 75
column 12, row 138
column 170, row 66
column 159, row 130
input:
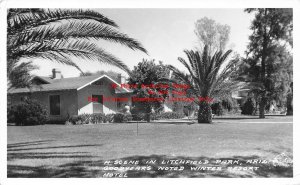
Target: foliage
column 18, row 75
column 217, row 108
column 188, row 107
column 60, row 34
column 109, row 118
column 249, row 107
column 137, row 115
column 212, row 34
column 267, row 51
column 27, row 112
column 110, row 73
column 88, row 119
column 147, row 73
column 121, row 118
column 79, row 119
column 97, row 118
column 289, row 104
column 208, row 78
column 168, row 115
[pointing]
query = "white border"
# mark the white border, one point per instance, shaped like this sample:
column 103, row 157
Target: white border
column 145, row 4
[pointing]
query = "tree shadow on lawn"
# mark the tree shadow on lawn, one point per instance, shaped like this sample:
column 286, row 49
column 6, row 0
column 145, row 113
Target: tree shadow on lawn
column 22, row 144
column 98, row 168
column 235, row 118
column 18, row 146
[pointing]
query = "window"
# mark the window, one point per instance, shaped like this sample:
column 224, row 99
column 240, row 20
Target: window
column 97, row 99
column 54, row 104
column 97, row 103
column 119, row 104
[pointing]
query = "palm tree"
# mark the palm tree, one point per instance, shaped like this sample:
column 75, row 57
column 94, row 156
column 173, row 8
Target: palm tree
column 208, row 78
column 19, row 75
column 59, row 34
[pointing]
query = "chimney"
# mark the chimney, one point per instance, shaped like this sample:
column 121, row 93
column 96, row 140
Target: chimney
column 56, row 74
column 121, row 79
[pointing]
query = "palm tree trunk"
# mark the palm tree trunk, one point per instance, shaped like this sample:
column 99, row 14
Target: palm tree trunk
column 204, row 113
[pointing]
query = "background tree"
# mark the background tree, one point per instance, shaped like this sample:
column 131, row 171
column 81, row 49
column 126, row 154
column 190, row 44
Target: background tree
column 146, row 73
column 290, row 101
column 212, row 34
column 60, row 34
column 208, row 78
column 272, row 31
column 114, row 75
column 19, row 75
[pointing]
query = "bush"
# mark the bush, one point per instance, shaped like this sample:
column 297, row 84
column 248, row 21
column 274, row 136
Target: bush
column 73, row 119
column 168, row 115
column 28, row 112
column 80, row 119
column 121, row 118
column 97, row 118
column 217, row 108
column 137, row 115
column 109, row 118
column 249, row 107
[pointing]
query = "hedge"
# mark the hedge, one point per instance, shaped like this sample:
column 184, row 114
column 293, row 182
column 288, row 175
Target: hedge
column 28, row 112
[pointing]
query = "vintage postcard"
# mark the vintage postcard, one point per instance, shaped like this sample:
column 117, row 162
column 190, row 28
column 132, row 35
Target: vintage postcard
column 149, row 92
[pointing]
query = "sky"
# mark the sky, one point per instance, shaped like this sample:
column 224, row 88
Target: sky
column 165, row 33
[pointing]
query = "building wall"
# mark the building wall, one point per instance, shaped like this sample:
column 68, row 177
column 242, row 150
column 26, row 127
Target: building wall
column 105, row 89
column 68, row 103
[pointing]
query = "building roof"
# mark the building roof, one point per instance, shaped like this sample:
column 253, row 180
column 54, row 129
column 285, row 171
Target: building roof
column 74, row 83
column 45, row 79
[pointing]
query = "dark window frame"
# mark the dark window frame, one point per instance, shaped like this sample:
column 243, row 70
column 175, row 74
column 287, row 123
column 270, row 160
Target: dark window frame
column 50, row 107
column 97, row 95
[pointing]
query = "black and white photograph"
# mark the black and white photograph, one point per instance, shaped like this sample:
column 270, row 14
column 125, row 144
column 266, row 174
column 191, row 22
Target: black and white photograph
column 149, row 92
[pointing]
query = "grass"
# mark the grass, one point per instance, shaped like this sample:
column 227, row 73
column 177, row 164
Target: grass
column 80, row 151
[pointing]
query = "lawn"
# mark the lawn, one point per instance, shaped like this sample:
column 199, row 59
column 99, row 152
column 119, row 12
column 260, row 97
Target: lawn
column 80, row 151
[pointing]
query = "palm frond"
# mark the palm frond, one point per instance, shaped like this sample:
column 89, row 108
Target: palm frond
column 64, row 49
column 18, row 74
column 21, row 20
column 205, row 72
column 183, row 78
column 191, row 71
column 74, row 29
column 226, row 89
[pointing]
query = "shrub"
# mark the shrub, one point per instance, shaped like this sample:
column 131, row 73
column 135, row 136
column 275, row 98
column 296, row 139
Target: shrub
column 188, row 109
column 168, row 115
column 97, row 118
column 217, row 108
column 80, row 119
column 121, row 118
column 109, row 118
column 249, row 107
column 73, row 119
column 68, row 123
column 11, row 110
column 28, row 112
column 136, row 114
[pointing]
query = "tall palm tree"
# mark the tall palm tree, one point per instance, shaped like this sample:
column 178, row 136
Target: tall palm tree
column 208, row 78
column 59, row 34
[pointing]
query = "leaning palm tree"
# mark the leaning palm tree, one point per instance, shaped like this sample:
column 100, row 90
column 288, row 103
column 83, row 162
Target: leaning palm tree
column 208, row 78
column 19, row 74
column 60, row 34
